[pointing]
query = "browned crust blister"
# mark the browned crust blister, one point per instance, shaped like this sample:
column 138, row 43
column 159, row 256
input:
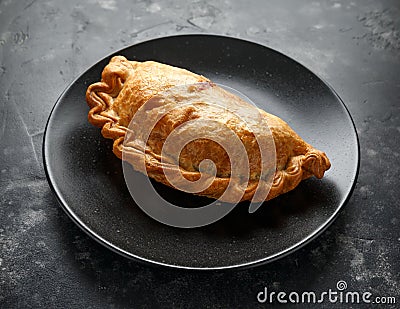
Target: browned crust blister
column 126, row 85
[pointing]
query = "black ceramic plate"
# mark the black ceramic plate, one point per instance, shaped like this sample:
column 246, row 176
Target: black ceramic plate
column 88, row 181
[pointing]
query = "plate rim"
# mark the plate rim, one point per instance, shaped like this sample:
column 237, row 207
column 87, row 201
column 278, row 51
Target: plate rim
column 269, row 259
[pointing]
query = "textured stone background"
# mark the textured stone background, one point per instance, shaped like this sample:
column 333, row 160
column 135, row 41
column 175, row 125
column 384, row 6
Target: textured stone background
column 46, row 261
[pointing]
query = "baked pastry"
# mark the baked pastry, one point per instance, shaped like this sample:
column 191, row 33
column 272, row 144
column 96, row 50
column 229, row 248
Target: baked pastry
column 126, row 86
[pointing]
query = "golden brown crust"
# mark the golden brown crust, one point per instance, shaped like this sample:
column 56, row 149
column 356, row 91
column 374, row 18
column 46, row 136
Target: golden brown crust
column 126, row 85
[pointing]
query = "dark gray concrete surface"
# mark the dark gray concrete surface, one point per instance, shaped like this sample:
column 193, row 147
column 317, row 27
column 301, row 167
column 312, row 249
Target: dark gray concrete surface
column 46, row 261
